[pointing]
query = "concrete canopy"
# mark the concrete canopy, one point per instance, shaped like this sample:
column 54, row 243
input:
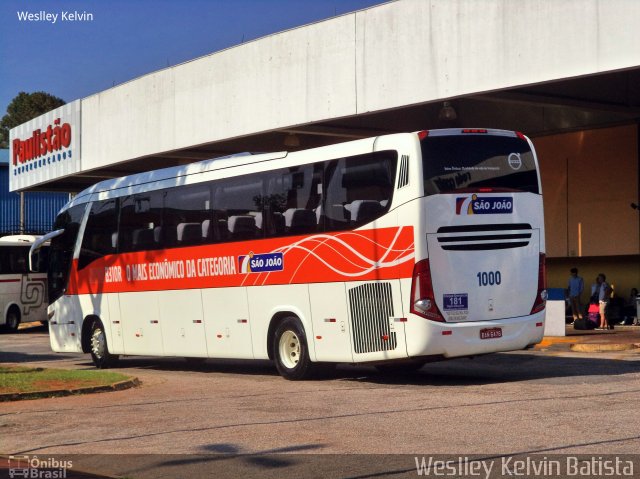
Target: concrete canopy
column 533, row 65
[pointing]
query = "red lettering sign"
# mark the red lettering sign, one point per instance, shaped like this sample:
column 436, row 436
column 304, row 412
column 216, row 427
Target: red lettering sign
column 54, row 138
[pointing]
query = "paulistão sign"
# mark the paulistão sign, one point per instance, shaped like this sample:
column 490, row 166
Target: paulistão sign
column 45, row 148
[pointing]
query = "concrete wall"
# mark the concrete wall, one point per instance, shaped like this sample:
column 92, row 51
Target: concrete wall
column 396, row 54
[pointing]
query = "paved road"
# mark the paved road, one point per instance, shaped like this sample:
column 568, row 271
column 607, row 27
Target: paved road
column 502, row 404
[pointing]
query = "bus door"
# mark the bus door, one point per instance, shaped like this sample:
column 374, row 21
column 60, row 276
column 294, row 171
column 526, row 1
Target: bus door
column 20, row 287
column 36, row 292
column 10, row 280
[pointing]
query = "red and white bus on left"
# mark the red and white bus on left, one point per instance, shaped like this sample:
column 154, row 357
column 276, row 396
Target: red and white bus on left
column 23, row 297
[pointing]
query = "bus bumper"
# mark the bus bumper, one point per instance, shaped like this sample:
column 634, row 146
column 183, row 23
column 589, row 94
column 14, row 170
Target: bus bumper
column 450, row 340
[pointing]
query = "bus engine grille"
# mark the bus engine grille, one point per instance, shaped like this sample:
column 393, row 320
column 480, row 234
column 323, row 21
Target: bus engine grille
column 371, row 308
column 484, row 237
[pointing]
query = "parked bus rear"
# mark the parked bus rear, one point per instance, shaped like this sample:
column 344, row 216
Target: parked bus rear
column 478, row 284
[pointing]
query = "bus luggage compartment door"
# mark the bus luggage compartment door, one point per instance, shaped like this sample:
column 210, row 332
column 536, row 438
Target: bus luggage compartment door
column 227, row 325
column 183, row 332
column 331, row 328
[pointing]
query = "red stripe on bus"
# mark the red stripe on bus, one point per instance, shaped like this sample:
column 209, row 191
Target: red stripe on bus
column 380, row 254
column 9, row 280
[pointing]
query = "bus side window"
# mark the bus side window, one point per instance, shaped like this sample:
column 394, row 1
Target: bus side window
column 43, row 260
column 97, row 241
column 4, row 261
column 359, row 189
column 140, row 215
column 238, row 208
column 18, row 259
column 186, row 216
column 293, row 200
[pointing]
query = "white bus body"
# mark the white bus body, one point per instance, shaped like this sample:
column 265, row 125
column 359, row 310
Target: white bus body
column 396, row 249
column 22, row 294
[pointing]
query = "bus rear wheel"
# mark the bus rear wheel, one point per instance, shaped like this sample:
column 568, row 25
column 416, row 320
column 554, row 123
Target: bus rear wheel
column 12, row 320
column 99, row 349
column 291, row 351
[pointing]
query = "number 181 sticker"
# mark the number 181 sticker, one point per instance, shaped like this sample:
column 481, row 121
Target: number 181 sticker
column 455, row 302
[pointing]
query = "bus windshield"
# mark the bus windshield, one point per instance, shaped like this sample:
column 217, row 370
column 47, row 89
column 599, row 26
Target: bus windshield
column 456, row 163
column 61, row 250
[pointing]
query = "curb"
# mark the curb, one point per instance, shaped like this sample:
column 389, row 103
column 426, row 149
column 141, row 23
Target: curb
column 119, row 386
column 623, row 339
column 602, row 348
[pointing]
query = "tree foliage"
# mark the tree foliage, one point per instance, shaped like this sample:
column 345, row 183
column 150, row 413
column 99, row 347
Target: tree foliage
column 25, row 107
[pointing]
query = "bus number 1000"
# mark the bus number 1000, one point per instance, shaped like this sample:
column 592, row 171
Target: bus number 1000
column 490, row 278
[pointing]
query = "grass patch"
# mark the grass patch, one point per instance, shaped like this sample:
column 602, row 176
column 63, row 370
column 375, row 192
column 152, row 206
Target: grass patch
column 18, row 379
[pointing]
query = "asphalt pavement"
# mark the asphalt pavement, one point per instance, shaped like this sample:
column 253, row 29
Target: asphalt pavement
column 231, row 418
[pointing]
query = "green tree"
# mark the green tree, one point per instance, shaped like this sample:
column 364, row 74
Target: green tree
column 24, row 107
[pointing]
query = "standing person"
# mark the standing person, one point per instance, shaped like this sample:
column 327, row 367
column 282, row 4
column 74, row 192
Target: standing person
column 629, row 311
column 574, row 290
column 601, row 291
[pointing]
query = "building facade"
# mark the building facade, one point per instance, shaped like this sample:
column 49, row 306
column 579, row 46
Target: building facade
column 567, row 74
column 38, row 209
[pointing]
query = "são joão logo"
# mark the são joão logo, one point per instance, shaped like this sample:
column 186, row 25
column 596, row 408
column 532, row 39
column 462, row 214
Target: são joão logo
column 261, row 263
column 476, row 205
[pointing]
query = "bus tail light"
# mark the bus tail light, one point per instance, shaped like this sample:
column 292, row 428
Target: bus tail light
column 541, row 295
column 475, row 131
column 423, row 301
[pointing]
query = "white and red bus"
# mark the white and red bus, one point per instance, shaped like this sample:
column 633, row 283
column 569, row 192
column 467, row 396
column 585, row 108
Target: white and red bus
column 22, row 293
column 401, row 248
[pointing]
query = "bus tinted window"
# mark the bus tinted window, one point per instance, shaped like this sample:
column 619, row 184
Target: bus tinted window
column 291, row 206
column 43, row 259
column 237, row 204
column 61, row 250
column 466, row 162
column 13, row 259
column 358, row 189
column 101, row 232
column 186, row 216
column 140, row 222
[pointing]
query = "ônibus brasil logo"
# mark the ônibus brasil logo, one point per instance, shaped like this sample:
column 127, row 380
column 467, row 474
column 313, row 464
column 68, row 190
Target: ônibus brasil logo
column 261, row 263
column 475, row 205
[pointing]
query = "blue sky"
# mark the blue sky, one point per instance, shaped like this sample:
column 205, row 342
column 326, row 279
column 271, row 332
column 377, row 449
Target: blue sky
column 129, row 38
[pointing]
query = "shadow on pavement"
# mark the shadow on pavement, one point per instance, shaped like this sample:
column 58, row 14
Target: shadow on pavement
column 493, row 368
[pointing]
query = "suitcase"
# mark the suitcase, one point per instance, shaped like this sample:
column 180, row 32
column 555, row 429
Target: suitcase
column 584, row 324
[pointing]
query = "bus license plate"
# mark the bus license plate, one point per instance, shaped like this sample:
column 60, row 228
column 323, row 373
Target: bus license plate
column 490, row 333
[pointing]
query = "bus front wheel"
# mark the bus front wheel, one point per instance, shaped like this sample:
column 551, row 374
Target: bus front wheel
column 99, row 349
column 12, row 319
column 290, row 350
